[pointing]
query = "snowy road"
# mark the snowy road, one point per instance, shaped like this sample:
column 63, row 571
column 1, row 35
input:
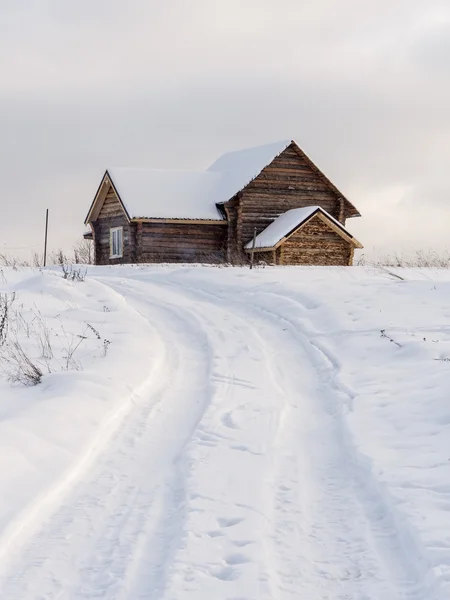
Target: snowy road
column 200, row 490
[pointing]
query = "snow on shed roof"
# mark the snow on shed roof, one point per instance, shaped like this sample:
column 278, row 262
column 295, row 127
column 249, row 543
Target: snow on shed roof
column 167, row 194
column 287, row 223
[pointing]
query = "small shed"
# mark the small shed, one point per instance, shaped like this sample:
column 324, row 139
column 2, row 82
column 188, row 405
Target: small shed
column 304, row 236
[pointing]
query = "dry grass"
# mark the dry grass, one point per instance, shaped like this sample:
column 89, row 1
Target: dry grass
column 30, row 346
column 419, row 259
column 82, row 254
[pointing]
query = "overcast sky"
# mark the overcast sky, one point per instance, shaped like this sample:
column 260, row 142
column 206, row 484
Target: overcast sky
column 363, row 86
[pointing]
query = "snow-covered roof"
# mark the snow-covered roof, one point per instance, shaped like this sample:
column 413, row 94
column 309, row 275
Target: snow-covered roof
column 287, row 223
column 240, row 167
column 167, row 194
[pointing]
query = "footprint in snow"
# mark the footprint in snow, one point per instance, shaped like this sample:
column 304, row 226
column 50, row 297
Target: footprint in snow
column 237, row 559
column 223, row 522
column 227, row 420
column 226, row 574
column 215, row 533
column 242, row 543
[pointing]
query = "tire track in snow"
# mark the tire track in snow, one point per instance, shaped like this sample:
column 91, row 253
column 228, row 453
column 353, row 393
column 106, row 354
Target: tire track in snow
column 34, row 516
column 170, row 532
column 122, row 533
column 406, row 568
column 293, row 564
column 344, row 495
column 407, row 574
column 129, row 506
column 242, row 525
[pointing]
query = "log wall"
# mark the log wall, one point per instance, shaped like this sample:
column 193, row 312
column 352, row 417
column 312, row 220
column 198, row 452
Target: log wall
column 234, row 252
column 112, row 215
column 315, row 244
column 157, row 241
column 179, row 242
column 288, row 182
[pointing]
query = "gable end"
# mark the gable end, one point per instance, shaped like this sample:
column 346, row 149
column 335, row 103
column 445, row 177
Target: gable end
column 351, row 210
column 318, row 214
column 293, row 166
column 103, row 194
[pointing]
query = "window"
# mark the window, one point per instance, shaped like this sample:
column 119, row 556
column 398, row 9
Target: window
column 116, row 242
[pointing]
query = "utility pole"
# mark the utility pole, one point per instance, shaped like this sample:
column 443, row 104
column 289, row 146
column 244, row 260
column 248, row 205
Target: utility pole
column 46, row 234
column 253, row 248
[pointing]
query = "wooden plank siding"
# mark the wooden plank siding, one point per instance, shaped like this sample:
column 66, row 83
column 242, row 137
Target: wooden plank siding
column 233, row 250
column 287, row 182
column 112, row 215
column 315, row 244
column 157, row 241
column 178, row 242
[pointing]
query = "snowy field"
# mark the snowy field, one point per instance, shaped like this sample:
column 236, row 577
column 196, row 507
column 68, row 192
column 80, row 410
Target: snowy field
column 225, row 434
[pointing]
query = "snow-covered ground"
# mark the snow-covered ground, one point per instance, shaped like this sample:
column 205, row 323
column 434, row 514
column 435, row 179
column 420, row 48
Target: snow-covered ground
column 228, row 434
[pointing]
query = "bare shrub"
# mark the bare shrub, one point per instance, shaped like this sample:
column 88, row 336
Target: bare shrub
column 388, row 337
column 20, row 369
column 106, row 342
column 6, row 303
column 419, row 258
column 29, row 346
column 40, row 332
column 16, row 263
column 73, row 273
column 13, row 262
column 58, row 257
column 37, row 260
column 83, row 252
column 71, row 344
column 69, row 271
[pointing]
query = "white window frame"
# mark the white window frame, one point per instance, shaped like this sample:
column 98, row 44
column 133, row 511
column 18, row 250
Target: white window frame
column 116, row 245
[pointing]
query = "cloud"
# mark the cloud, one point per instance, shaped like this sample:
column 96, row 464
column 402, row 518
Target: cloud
column 432, row 50
column 171, row 83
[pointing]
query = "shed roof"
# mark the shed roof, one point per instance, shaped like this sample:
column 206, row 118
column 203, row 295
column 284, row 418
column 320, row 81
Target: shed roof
column 287, row 223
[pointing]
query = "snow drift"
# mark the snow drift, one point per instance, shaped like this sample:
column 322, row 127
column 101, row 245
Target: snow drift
column 277, row 433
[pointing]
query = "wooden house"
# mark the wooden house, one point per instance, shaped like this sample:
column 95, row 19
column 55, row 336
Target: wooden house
column 151, row 215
